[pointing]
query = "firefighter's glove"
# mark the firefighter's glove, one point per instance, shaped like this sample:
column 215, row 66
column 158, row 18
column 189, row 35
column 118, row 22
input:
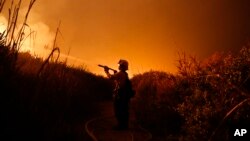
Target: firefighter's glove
column 106, row 69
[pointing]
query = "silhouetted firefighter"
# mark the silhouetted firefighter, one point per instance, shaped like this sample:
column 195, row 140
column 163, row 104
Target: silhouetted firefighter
column 122, row 93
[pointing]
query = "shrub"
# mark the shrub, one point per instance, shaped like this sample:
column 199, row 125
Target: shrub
column 155, row 101
column 205, row 100
column 214, row 89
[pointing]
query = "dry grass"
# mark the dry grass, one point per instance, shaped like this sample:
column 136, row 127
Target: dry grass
column 43, row 100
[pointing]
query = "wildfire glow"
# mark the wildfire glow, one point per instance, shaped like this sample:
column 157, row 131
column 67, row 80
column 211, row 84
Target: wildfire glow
column 3, row 23
column 38, row 37
column 149, row 34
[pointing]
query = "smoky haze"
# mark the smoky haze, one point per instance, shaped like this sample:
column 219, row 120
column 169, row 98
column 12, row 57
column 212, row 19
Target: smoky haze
column 147, row 33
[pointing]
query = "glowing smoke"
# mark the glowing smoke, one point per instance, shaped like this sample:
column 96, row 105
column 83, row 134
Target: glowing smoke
column 37, row 34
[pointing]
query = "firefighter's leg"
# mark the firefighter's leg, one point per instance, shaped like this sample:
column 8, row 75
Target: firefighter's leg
column 124, row 115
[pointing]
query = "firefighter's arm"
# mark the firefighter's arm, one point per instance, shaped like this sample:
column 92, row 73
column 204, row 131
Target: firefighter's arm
column 107, row 73
column 106, row 69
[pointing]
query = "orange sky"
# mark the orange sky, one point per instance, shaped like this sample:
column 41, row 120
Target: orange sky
column 148, row 33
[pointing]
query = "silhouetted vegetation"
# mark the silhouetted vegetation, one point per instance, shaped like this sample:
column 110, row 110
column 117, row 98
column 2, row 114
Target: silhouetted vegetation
column 156, row 98
column 206, row 100
column 215, row 87
column 52, row 105
column 43, row 100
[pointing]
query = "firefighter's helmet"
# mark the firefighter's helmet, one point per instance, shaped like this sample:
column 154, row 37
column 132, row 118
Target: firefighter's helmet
column 123, row 64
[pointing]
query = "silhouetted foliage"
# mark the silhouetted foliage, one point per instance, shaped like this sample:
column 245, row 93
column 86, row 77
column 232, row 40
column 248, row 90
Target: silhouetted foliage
column 51, row 103
column 208, row 99
column 155, row 102
column 217, row 86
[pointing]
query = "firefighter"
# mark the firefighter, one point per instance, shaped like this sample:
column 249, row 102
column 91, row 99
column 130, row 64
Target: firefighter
column 120, row 95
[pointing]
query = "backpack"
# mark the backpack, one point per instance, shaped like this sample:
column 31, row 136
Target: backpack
column 129, row 87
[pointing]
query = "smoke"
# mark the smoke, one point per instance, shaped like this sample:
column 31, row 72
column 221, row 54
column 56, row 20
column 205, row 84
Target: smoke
column 3, row 23
column 149, row 33
column 37, row 34
column 39, row 39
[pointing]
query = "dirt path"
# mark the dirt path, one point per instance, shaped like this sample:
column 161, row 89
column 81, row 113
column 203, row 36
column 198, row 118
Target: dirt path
column 100, row 128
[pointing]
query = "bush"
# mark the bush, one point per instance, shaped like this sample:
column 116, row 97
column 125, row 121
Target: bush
column 215, row 87
column 205, row 100
column 155, row 101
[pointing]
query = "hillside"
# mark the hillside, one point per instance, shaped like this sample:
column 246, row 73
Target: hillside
column 50, row 104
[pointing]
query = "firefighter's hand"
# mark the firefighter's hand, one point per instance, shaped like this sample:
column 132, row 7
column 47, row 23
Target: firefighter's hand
column 106, row 69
